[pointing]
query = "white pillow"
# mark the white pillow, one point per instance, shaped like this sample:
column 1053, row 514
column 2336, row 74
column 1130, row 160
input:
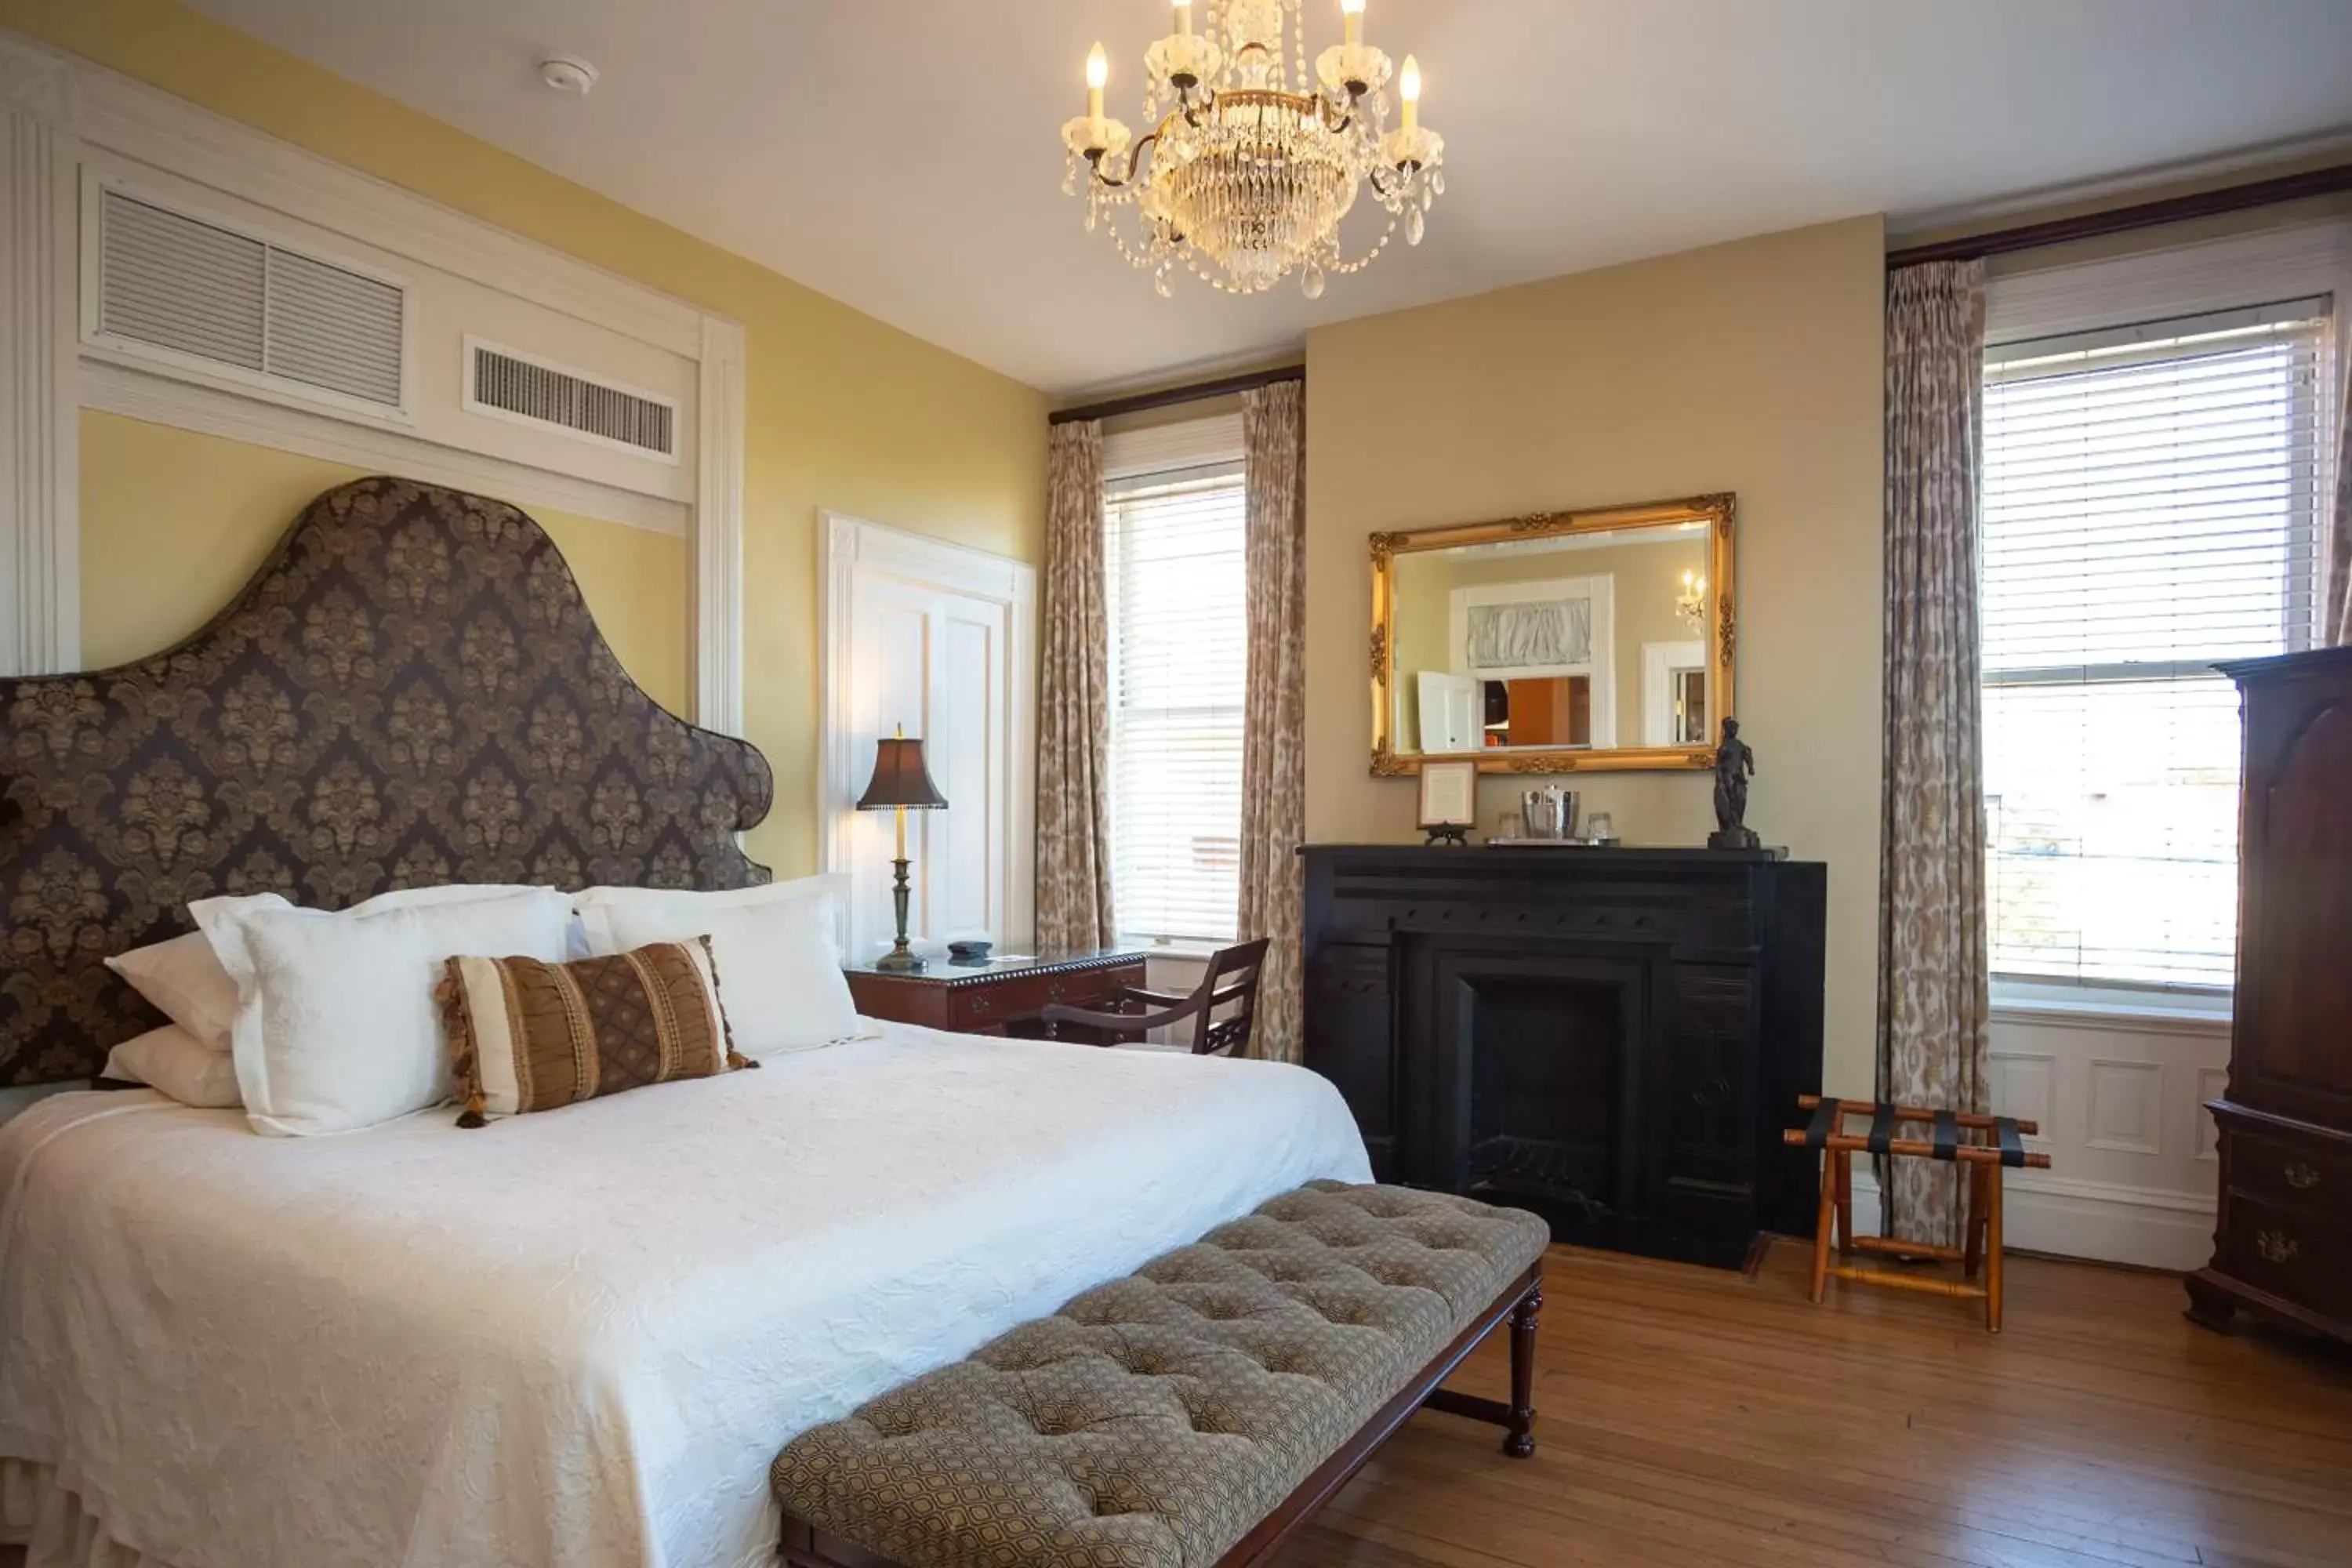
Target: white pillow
column 182, row 978
column 179, row 1064
column 780, row 979
column 595, row 907
column 336, row 1027
column 186, row 983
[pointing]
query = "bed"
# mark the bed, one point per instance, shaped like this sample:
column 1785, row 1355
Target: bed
column 583, row 1339
column 571, row 1337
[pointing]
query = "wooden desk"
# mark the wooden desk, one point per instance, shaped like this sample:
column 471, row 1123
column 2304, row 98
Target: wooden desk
column 1003, row 996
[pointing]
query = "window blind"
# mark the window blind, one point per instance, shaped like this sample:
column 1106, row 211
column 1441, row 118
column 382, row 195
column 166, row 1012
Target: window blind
column 1173, row 562
column 2150, row 505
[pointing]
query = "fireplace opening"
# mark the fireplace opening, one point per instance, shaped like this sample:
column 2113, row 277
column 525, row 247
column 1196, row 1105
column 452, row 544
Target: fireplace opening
column 1545, row 1056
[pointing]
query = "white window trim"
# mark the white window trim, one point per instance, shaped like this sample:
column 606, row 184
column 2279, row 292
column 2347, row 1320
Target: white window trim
column 1169, row 448
column 2295, row 261
column 57, row 109
column 2287, row 263
column 1213, row 441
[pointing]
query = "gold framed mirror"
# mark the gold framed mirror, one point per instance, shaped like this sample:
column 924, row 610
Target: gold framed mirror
column 1563, row 642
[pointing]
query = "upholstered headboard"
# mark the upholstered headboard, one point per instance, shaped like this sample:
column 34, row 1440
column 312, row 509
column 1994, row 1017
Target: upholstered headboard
column 410, row 691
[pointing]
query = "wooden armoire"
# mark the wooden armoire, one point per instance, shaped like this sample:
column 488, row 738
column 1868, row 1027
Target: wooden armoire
column 2284, row 1243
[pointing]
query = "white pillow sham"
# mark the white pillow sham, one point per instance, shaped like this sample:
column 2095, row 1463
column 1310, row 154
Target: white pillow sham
column 596, row 907
column 180, row 1064
column 186, row 982
column 780, row 974
column 336, row 1027
column 182, row 978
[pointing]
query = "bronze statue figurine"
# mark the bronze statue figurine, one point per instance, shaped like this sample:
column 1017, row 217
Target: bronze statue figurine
column 1734, row 764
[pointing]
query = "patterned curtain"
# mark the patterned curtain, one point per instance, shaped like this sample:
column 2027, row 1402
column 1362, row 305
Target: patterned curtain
column 2336, row 626
column 1074, row 906
column 1274, row 723
column 1932, row 1000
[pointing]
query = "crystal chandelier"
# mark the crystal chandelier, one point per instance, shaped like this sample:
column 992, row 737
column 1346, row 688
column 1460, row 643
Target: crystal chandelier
column 1251, row 163
column 1691, row 602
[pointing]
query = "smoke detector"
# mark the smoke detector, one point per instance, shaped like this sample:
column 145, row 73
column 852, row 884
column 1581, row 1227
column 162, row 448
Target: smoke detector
column 568, row 74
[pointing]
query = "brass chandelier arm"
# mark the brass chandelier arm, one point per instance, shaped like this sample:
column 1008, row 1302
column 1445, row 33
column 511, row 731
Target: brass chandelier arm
column 1134, row 159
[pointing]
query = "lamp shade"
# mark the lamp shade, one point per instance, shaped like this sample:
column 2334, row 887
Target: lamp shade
column 900, row 778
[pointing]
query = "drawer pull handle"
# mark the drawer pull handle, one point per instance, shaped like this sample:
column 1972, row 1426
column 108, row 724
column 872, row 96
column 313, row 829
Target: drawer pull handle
column 2277, row 1247
column 2302, row 1177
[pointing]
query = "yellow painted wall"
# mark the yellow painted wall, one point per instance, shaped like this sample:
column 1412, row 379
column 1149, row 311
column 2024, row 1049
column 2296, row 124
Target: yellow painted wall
column 844, row 412
column 175, row 522
column 1754, row 367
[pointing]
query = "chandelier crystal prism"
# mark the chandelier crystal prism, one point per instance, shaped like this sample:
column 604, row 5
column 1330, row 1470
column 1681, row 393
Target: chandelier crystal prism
column 1251, row 163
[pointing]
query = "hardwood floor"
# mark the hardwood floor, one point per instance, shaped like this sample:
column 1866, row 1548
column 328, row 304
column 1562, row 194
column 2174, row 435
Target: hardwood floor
column 1691, row 1415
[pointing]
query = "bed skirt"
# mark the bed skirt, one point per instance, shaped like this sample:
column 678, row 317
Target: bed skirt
column 40, row 1514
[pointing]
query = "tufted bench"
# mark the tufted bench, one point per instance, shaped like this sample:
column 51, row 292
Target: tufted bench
column 1195, row 1413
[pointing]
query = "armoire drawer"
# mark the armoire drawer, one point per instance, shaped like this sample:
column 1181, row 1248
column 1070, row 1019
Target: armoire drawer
column 2301, row 1172
column 2293, row 1252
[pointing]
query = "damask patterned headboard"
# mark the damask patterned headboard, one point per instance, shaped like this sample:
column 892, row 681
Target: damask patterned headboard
column 410, row 691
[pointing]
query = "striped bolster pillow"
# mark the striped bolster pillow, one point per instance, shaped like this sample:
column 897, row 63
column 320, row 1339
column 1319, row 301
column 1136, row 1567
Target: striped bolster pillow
column 526, row 1036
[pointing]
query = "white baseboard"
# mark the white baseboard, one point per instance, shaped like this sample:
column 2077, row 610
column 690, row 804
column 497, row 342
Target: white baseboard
column 2097, row 1220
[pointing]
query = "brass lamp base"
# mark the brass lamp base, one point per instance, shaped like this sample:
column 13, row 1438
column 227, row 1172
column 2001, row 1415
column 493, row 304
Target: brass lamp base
column 901, row 959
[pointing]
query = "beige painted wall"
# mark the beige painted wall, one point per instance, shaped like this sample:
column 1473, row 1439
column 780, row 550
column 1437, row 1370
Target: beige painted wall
column 174, row 522
column 1644, row 580
column 1754, row 367
column 844, row 412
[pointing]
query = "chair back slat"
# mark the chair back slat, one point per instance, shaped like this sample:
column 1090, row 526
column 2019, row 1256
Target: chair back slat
column 1230, row 980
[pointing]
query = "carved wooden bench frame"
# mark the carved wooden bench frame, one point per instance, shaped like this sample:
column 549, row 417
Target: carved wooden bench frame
column 804, row 1545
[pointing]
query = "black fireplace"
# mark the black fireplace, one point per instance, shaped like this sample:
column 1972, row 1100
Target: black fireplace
column 1613, row 1038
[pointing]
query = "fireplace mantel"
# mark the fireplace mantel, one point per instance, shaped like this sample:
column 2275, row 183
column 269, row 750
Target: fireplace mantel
column 1612, row 1037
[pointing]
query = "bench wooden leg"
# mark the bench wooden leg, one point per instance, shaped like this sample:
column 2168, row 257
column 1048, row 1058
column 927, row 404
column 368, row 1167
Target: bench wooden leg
column 1823, row 1224
column 1519, row 1442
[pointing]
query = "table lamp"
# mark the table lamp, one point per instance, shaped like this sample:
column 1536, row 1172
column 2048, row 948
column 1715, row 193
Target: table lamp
column 900, row 782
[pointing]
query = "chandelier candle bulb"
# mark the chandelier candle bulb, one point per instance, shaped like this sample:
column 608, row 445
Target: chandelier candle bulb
column 1183, row 19
column 1097, row 73
column 1408, row 88
column 1351, row 17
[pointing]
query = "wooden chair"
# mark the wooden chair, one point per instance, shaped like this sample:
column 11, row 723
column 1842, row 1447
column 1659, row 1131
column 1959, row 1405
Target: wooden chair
column 1956, row 1139
column 1230, row 981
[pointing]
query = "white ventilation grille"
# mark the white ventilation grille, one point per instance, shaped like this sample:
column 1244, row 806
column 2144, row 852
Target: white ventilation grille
column 502, row 381
column 176, row 283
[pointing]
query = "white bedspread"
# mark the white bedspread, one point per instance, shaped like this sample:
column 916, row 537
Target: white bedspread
column 578, row 1337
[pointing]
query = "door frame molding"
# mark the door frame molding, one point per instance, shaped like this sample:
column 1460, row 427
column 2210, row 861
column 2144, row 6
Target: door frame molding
column 848, row 543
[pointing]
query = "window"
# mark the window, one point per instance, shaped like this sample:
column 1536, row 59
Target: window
column 1173, row 562
column 2150, row 502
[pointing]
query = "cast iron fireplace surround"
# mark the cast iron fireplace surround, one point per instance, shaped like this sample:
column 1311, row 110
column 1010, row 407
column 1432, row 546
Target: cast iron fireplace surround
column 1610, row 1037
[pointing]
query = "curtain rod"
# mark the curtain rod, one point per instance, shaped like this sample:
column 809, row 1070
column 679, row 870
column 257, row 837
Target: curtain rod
column 2122, row 220
column 1223, row 387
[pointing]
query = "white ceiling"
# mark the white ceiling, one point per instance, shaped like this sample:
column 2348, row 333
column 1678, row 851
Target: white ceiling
column 902, row 155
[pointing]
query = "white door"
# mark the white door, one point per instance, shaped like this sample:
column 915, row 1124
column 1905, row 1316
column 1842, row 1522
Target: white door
column 932, row 639
column 1452, row 712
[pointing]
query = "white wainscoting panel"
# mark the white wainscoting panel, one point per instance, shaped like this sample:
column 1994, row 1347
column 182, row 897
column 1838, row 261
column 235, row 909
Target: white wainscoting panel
column 2120, row 1098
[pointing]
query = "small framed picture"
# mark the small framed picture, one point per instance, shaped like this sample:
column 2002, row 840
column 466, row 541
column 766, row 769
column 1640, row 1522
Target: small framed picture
column 1449, row 795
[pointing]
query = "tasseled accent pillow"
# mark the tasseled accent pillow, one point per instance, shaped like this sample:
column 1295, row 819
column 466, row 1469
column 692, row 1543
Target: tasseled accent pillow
column 527, row 1036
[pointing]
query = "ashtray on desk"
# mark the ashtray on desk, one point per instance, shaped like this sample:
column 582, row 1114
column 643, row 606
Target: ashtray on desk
column 970, row 952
